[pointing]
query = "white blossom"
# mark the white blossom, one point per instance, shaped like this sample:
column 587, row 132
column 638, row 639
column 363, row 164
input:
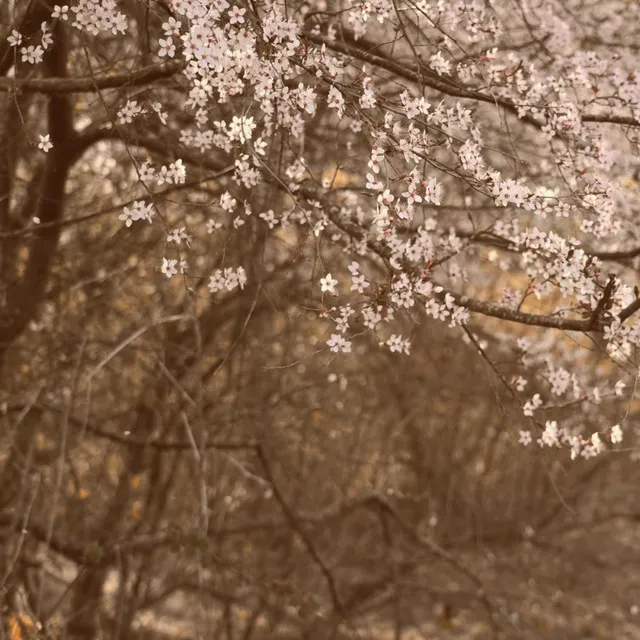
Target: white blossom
column 139, row 210
column 328, row 284
column 167, row 47
column 45, row 143
column 227, row 279
column 525, row 438
column 129, row 111
column 337, row 343
column 32, row 54
column 616, row 434
column 169, row 267
column 15, row 38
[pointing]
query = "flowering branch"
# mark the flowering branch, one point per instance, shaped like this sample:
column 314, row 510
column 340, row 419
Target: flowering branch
column 360, row 50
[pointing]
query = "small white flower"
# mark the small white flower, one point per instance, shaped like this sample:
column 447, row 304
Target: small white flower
column 45, row 143
column 178, row 171
column 178, row 236
column 146, row 172
column 519, row 382
column 171, row 27
column 47, row 36
column 31, row 54
column 551, row 434
column 236, row 15
column 15, row 39
column 169, row 267
column 139, row 210
column 167, row 48
column 241, row 128
column 525, row 438
column 439, row 64
column 531, row 405
column 157, row 107
column 212, row 225
column 241, row 276
column 228, row 202
column 397, row 344
column 338, row 343
column 372, row 183
column 227, row 279
column 130, row 110
column 269, row 217
column 259, row 146
column 328, row 283
column 597, row 442
column 336, row 101
column 616, row 434
column 386, row 197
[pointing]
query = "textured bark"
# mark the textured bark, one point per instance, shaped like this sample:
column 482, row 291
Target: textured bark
column 23, row 295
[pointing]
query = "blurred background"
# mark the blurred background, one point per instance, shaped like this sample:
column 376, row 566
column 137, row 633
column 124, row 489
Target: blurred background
column 177, row 463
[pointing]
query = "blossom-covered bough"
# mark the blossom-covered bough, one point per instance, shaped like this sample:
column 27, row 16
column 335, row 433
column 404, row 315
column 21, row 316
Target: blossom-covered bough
column 395, row 163
column 425, row 143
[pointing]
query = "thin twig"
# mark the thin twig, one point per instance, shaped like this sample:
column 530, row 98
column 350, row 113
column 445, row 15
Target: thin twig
column 199, row 458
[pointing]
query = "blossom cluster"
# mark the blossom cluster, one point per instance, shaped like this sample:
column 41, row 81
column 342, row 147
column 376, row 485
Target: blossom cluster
column 139, row 210
column 227, row 279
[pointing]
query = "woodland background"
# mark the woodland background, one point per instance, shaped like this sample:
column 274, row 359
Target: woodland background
column 180, row 465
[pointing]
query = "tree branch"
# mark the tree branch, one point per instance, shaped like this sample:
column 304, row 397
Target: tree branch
column 405, row 70
column 490, row 309
column 62, row 84
column 291, row 517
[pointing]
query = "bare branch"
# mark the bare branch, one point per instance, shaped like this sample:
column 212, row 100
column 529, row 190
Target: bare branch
column 62, row 84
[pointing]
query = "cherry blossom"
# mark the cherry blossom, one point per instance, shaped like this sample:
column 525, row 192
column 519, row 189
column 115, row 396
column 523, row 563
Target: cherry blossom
column 227, row 279
column 32, row 54
column 45, row 143
column 139, row 210
column 616, row 434
column 47, row 36
column 15, row 38
column 328, row 284
column 169, row 267
column 339, row 344
column 525, row 438
column 129, row 111
column 167, row 47
column 236, row 15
